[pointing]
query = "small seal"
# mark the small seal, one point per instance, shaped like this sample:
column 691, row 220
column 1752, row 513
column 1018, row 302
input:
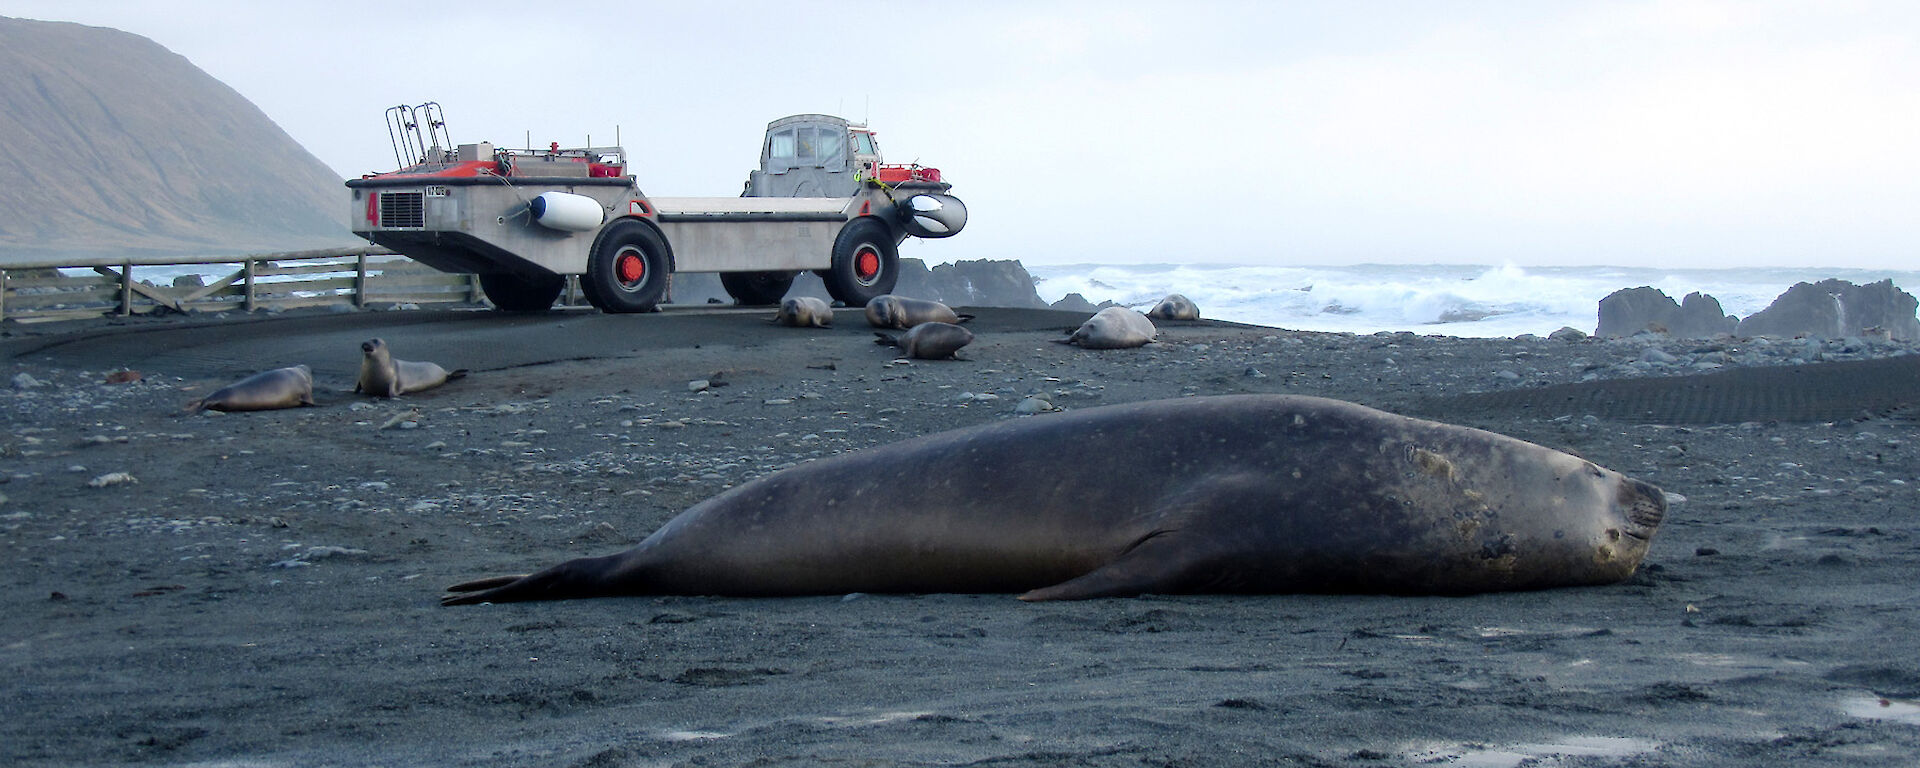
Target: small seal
column 901, row 313
column 1174, row 307
column 1113, row 328
column 804, row 312
column 929, row 341
column 383, row 376
column 1239, row 493
column 264, row 391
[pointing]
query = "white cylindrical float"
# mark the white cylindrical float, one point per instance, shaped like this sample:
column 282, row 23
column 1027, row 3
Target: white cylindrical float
column 567, row 212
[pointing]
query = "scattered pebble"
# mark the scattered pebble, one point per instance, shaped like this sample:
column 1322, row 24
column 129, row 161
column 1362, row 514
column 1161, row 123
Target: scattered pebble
column 112, row 478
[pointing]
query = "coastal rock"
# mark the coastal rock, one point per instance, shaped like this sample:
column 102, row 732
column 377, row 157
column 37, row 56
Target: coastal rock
column 1632, row 310
column 1074, row 302
column 1836, row 309
column 977, row 283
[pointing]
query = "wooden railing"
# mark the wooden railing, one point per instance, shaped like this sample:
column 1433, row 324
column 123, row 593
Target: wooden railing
column 358, row 276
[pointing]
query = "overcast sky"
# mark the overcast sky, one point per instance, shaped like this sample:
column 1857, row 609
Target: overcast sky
column 1684, row 133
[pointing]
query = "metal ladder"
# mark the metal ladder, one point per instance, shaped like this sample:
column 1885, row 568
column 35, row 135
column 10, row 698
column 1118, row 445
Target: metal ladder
column 419, row 134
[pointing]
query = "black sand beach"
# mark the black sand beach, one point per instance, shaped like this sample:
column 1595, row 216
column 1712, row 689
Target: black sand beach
column 261, row 589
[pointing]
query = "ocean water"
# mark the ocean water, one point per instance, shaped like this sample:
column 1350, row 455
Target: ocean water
column 1449, row 300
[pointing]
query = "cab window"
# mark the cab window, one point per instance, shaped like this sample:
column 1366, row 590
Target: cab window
column 832, row 142
column 780, row 145
column 803, row 140
column 862, row 143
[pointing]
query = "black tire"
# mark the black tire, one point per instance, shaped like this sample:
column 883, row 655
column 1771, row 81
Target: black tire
column 520, row 293
column 629, row 271
column 757, row 288
column 866, row 263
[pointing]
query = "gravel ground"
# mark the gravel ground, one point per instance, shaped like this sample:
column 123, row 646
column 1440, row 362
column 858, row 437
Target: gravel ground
column 260, row 589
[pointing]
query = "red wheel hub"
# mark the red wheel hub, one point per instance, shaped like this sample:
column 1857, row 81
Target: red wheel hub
column 866, row 264
column 630, row 268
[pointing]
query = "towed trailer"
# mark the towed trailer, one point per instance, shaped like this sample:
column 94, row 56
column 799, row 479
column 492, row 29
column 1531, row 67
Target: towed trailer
column 525, row 219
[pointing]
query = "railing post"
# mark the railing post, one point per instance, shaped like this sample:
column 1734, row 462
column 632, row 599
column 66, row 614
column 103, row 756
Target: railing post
column 247, row 268
column 3, row 294
column 126, row 288
column 360, row 283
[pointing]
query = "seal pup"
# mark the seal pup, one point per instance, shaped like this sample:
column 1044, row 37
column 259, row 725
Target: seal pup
column 1239, row 493
column 804, row 312
column 264, row 391
column 1113, row 328
column 901, row 313
column 1174, row 307
column 929, row 341
column 383, row 376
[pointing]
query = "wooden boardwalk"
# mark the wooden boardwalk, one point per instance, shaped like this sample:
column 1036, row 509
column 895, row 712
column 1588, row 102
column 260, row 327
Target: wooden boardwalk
column 356, row 276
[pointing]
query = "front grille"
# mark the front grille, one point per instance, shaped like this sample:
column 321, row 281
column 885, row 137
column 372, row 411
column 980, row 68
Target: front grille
column 403, row 209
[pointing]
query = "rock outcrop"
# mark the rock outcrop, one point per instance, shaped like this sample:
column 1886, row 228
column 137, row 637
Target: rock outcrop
column 1836, row 309
column 1632, row 310
column 116, row 146
column 978, row 283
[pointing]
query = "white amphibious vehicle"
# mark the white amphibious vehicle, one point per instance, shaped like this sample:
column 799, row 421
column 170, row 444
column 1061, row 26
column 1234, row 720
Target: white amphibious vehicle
column 524, row 219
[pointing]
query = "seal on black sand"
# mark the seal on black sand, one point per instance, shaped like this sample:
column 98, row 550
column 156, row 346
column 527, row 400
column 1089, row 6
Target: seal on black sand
column 1174, row 307
column 928, row 341
column 804, row 312
column 264, row 391
column 383, row 376
column 1113, row 328
column 1243, row 493
column 901, row 313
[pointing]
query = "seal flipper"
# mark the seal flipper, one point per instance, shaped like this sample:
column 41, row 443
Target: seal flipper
column 580, row 577
column 1179, row 555
column 1157, row 563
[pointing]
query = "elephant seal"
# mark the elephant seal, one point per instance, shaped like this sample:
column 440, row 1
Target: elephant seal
column 929, row 341
column 1174, row 307
column 901, row 313
column 804, row 312
column 1113, row 328
column 264, row 391
column 1241, row 493
column 383, row 376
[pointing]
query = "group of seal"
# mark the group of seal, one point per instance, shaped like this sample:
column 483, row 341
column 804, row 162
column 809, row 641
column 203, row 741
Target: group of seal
column 932, row 328
column 1245, row 493
column 380, row 375
column 934, row 333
